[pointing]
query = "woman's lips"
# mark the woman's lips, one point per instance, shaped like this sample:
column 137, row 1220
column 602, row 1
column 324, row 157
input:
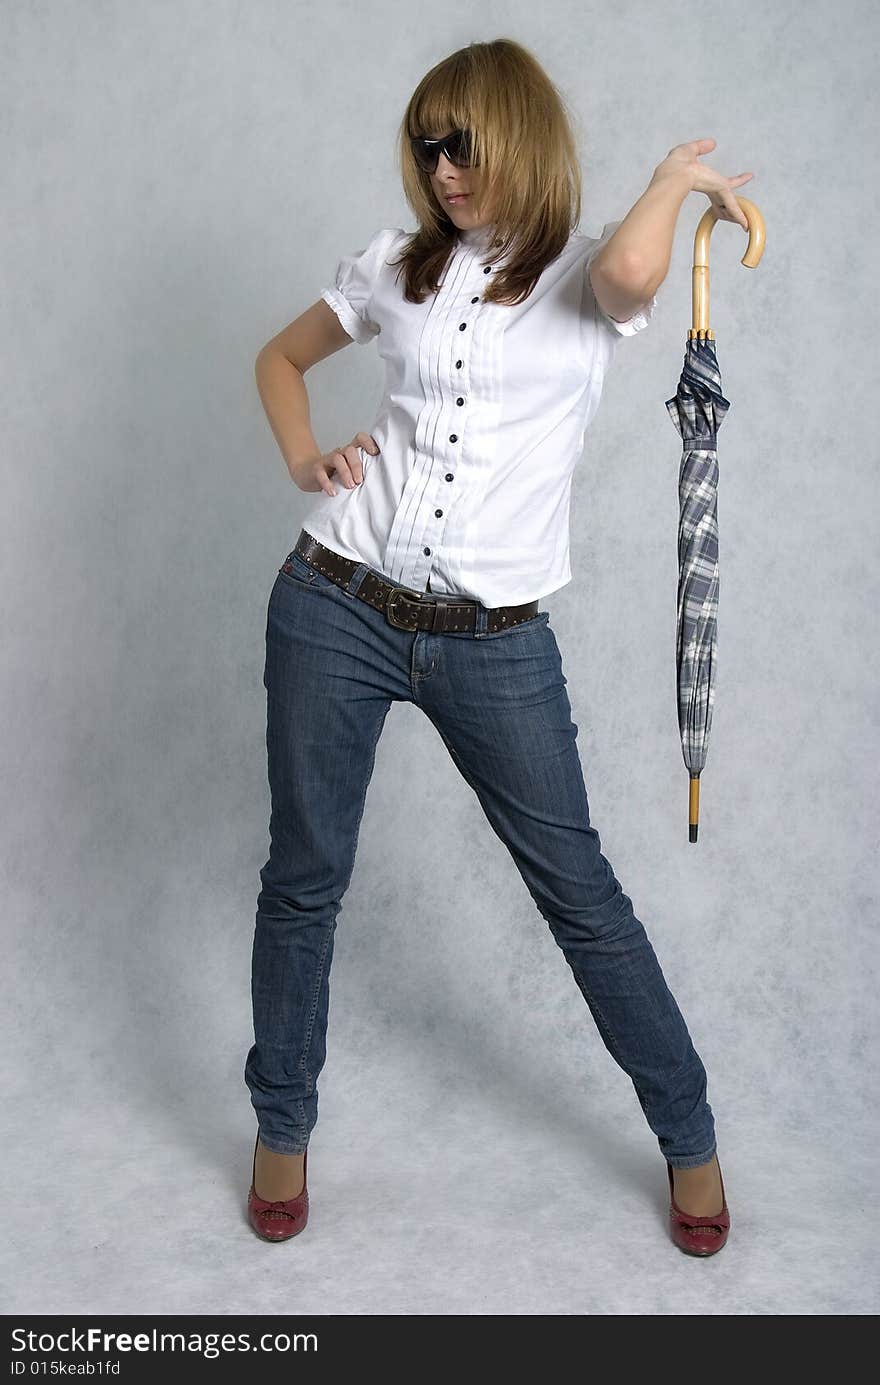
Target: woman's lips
column 459, row 197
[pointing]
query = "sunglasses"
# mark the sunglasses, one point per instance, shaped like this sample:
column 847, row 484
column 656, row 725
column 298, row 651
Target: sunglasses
column 457, row 147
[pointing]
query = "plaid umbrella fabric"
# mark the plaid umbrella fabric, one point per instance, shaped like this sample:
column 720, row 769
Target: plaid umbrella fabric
column 697, row 410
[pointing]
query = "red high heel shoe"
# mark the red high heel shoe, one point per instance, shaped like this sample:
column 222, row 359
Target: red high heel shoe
column 278, row 1221
column 688, row 1231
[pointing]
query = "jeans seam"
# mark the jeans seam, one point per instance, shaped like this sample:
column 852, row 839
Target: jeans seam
column 303, row 1063
column 313, row 1008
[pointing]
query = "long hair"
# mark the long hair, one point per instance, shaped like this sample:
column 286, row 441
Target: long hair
column 525, row 174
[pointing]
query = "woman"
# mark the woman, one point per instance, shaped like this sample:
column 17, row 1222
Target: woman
column 419, row 574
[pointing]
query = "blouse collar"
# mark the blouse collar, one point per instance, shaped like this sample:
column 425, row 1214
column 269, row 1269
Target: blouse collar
column 477, row 236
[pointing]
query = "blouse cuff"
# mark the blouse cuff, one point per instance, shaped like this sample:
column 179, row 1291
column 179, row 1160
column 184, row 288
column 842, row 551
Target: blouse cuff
column 642, row 315
column 355, row 326
column 640, row 318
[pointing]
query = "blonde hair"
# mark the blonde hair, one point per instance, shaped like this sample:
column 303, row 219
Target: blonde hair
column 525, row 176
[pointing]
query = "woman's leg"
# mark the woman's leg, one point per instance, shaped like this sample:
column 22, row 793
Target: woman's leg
column 500, row 704
column 329, row 686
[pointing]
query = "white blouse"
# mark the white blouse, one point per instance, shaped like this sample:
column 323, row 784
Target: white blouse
column 480, row 424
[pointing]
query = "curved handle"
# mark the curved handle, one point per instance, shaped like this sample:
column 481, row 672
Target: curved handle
column 700, row 273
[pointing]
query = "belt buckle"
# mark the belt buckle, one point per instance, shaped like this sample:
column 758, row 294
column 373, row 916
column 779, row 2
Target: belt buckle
column 404, row 593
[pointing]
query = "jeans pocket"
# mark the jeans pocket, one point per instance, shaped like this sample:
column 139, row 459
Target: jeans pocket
column 296, row 570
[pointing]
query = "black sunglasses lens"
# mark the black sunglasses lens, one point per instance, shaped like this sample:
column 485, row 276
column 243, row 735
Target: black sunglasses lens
column 457, row 149
column 425, row 155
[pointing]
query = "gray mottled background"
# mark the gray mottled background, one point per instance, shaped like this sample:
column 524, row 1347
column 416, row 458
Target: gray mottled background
column 180, row 181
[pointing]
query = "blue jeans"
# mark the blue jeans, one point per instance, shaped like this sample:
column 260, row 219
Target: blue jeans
column 333, row 667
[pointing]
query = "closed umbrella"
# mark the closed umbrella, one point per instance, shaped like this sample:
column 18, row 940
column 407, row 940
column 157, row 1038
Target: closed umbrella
column 697, row 410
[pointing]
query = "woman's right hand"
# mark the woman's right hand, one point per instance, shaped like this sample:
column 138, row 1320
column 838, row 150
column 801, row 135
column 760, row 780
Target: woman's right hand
column 318, row 473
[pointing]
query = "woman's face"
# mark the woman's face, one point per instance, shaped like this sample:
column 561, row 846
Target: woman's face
column 450, row 181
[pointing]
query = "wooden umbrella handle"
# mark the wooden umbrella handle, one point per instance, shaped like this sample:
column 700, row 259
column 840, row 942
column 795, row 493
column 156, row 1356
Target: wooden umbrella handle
column 700, row 273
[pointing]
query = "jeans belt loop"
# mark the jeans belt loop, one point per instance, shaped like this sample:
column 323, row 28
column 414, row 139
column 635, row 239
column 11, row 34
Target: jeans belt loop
column 441, row 611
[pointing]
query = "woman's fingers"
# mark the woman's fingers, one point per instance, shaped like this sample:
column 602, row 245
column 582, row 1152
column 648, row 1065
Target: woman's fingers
column 324, row 478
column 728, row 203
column 366, row 440
column 333, row 464
column 345, row 460
column 363, row 442
column 346, row 463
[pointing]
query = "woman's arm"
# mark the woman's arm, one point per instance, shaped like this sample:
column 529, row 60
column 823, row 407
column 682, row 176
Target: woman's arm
column 279, row 369
column 633, row 264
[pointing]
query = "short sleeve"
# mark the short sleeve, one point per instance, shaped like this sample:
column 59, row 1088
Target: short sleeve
column 640, row 318
column 351, row 296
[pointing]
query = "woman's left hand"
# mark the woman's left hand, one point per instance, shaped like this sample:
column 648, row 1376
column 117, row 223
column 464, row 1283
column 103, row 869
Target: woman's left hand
column 720, row 190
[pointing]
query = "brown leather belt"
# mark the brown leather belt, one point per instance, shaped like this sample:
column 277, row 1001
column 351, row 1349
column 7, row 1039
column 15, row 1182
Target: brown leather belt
column 403, row 607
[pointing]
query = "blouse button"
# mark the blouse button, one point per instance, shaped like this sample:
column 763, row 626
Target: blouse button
column 426, row 551
column 461, row 326
column 475, row 300
column 459, row 364
column 459, row 400
column 438, row 513
column 449, row 476
column 453, row 437
column 488, row 269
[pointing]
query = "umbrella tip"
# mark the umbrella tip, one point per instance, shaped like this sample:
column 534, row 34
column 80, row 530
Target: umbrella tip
column 692, row 831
